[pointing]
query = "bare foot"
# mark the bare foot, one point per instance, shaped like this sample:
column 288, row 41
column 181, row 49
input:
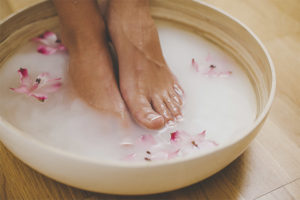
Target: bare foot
column 90, row 62
column 148, row 87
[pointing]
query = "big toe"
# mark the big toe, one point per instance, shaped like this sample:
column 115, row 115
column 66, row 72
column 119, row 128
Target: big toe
column 143, row 113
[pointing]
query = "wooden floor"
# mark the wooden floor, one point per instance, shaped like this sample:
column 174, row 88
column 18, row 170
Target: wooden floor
column 269, row 169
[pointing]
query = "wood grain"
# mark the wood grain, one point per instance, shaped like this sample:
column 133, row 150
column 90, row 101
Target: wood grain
column 269, row 169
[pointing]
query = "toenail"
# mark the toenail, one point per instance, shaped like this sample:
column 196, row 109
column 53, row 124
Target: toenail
column 152, row 116
column 178, row 90
column 165, row 114
column 175, row 109
column 171, row 123
column 179, row 118
column 176, row 99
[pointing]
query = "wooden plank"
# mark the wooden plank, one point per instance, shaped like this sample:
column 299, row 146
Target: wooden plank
column 290, row 191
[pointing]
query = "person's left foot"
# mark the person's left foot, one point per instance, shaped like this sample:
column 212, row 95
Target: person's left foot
column 150, row 90
column 90, row 62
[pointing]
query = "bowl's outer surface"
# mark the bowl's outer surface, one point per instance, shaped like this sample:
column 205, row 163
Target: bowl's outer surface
column 131, row 178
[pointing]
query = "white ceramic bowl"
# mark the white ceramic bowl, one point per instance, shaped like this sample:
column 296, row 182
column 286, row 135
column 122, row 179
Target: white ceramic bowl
column 149, row 177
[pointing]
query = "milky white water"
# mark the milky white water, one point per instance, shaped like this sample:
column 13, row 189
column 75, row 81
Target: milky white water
column 220, row 105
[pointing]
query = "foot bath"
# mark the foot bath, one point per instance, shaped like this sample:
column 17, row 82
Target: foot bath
column 225, row 72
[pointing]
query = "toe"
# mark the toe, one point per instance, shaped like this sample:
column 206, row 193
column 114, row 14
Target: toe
column 173, row 107
column 178, row 89
column 160, row 107
column 144, row 114
column 175, row 97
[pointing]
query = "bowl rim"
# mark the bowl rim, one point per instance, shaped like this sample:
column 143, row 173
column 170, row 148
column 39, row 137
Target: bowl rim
column 140, row 164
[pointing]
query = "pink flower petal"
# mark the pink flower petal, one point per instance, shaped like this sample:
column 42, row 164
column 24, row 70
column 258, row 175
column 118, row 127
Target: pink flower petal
column 180, row 143
column 61, row 47
column 173, row 154
column 147, row 139
column 21, row 89
column 208, row 57
column 213, row 70
column 213, row 73
column 49, row 43
column 225, row 74
column 39, row 97
column 40, row 40
column 38, row 89
column 46, row 50
column 46, row 84
column 23, row 73
column 213, row 143
column 179, row 136
column 48, row 39
column 50, row 36
column 130, row 157
column 174, row 136
column 200, row 136
column 25, row 82
column 49, row 88
column 46, row 79
column 24, row 78
column 195, row 65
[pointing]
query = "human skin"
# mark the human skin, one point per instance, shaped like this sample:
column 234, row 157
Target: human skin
column 148, row 89
column 90, row 66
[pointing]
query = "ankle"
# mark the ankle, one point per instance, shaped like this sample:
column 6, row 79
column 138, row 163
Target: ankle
column 126, row 8
column 83, row 38
column 134, row 3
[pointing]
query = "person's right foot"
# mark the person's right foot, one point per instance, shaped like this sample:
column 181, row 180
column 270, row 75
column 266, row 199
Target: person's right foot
column 90, row 64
